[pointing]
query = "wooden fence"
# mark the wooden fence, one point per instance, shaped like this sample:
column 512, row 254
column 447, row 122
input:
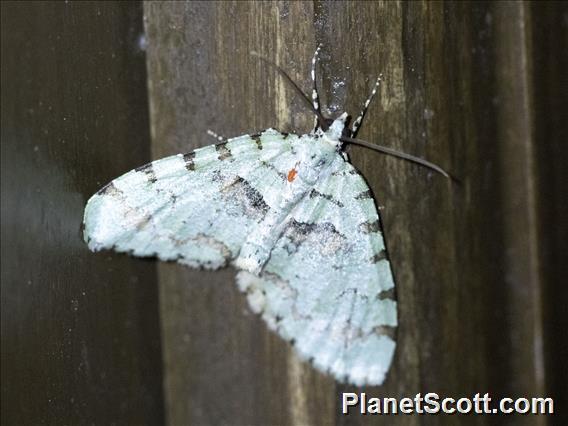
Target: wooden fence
column 91, row 90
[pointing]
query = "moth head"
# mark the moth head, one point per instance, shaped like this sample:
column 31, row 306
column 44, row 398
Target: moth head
column 336, row 132
column 337, row 129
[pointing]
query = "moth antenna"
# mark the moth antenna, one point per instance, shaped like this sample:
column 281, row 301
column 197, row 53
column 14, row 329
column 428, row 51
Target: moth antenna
column 315, row 95
column 398, row 154
column 322, row 122
column 359, row 119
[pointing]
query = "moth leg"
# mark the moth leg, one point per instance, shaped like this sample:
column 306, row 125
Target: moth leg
column 216, row 136
column 359, row 119
column 315, row 96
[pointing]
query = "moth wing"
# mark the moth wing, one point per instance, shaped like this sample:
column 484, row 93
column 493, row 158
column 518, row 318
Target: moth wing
column 196, row 208
column 328, row 286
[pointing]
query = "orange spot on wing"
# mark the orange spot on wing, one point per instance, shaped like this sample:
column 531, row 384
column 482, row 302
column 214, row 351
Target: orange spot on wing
column 292, row 175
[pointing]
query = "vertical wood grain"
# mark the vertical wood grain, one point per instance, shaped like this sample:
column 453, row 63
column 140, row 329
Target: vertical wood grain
column 202, row 76
column 479, row 88
column 80, row 331
column 467, row 256
column 549, row 89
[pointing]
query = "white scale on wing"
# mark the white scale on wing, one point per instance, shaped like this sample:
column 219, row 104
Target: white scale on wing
column 293, row 215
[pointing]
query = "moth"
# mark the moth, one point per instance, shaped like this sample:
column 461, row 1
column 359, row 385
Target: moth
column 294, row 217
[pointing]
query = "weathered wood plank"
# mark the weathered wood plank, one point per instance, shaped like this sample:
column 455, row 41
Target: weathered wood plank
column 457, row 91
column 80, row 333
column 199, row 80
column 548, row 82
column 479, row 88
